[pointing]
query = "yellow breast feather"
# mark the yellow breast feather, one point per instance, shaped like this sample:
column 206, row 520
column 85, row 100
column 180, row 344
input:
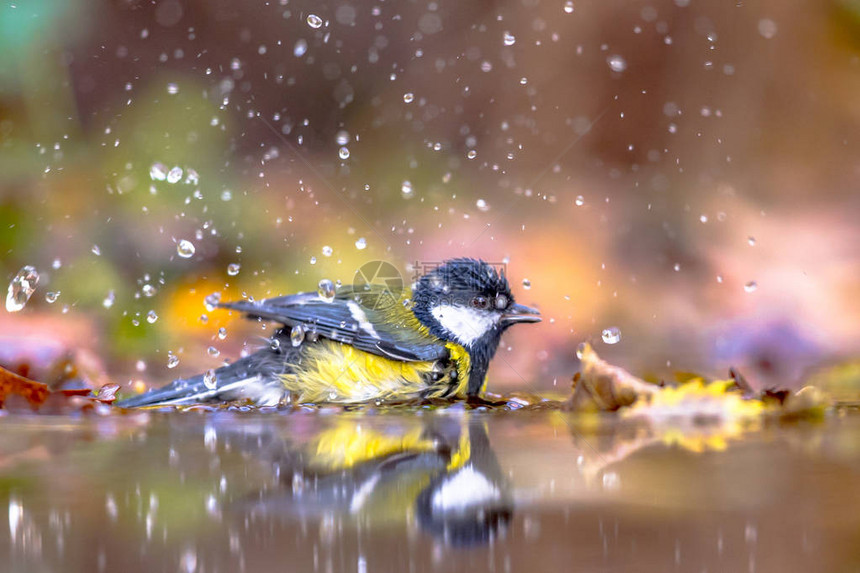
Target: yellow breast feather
column 331, row 371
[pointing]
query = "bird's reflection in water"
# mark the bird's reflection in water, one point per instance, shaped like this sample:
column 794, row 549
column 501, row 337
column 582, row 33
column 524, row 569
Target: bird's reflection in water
column 436, row 472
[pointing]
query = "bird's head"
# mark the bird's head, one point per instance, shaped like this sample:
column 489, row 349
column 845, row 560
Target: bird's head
column 470, row 303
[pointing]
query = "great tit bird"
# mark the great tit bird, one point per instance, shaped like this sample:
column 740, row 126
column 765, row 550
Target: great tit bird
column 435, row 340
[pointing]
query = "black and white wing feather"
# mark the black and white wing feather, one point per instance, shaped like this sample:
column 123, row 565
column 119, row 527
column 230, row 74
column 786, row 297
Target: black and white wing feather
column 345, row 319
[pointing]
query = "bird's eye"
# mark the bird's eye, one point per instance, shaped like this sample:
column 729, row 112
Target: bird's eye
column 480, row 302
column 501, row 302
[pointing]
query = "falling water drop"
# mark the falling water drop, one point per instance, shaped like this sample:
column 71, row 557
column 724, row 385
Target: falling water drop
column 297, row 335
column 211, row 301
column 210, row 379
column 21, row 288
column 158, row 172
column 185, row 249
column 233, row 269
column 611, row 335
column 361, row 243
column 616, row 63
column 172, row 360
column 174, row 175
column 527, row 284
column 151, row 317
column 751, row 286
column 326, row 290
column 314, row 21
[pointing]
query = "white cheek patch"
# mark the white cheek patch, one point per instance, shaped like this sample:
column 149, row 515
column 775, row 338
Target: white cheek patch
column 468, row 487
column 361, row 318
column 466, row 324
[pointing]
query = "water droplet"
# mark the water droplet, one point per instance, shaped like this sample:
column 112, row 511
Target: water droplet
column 210, row 379
column 109, row 299
column 751, row 286
column 52, row 296
column 616, row 63
column 767, row 28
column 471, row 154
column 56, row 264
column 300, row 48
column 21, row 288
column 611, row 335
column 226, row 195
column 96, row 250
column 361, row 243
column 212, row 351
column 233, row 269
column 568, row 7
column 148, row 290
column 151, row 317
column 580, row 350
column 185, row 249
column 509, row 39
column 313, row 260
column 482, row 205
column 222, row 333
column 172, row 360
column 297, row 335
column 342, row 137
column 611, row 481
column 408, row 97
column 327, row 251
column 406, row 189
column 211, row 301
column 677, row 267
column 343, row 153
column 751, row 241
column 527, row 284
column 314, row 21
column 192, row 177
column 579, row 201
column 158, row 172
column 172, row 88
column 326, row 290
column 174, row 175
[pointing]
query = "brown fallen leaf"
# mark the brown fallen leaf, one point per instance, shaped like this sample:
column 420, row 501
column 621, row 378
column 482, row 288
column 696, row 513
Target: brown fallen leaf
column 19, row 389
column 603, row 387
column 12, row 384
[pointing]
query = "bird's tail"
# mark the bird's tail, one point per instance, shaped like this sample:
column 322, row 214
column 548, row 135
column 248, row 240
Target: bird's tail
column 255, row 377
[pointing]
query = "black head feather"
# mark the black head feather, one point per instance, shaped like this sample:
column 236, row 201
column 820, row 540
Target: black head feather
column 459, row 282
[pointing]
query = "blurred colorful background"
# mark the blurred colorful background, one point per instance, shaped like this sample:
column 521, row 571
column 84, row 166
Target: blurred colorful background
column 684, row 172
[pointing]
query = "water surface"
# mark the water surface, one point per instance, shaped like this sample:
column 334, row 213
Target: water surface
column 425, row 491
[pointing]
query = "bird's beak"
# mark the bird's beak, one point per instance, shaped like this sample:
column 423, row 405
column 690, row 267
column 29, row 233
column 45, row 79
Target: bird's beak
column 520, row 313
